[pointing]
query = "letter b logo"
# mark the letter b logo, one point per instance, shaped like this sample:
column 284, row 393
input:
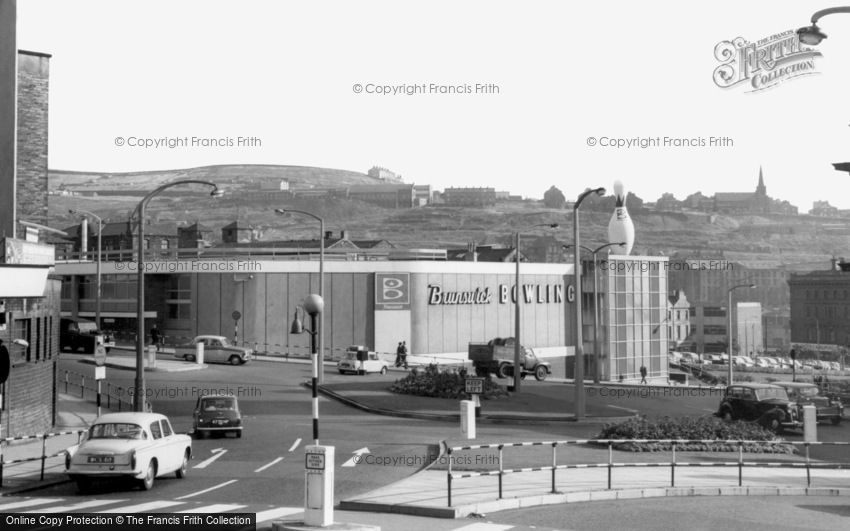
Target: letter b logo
column 392, row 289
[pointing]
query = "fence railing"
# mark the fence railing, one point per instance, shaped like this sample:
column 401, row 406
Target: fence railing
column 44, row 455
column 75, row 382
column 611, row 464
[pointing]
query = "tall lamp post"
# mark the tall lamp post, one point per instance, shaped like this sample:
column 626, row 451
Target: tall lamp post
column 283, row 212
column 729, row 331
column 139, row 391
column 579, row 348
column 77, row 211
column 595, row 252
column 812, row 35
column 517, row 306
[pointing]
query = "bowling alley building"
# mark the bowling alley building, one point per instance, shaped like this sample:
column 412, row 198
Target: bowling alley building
column 436, row 306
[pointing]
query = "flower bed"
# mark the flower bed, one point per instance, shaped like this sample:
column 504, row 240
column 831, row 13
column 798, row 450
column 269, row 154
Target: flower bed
column 702, row 428
column 433, row 382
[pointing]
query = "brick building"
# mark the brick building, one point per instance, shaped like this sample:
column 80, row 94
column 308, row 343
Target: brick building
column 29, row 293
column 477, row 197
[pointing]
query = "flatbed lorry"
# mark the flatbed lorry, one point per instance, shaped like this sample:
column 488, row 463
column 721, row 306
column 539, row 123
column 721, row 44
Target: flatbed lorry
column 497, row 357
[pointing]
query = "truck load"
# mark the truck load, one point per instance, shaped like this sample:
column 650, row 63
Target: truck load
column 497, row 357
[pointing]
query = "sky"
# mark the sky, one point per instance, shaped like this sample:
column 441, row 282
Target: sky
column 301, row 83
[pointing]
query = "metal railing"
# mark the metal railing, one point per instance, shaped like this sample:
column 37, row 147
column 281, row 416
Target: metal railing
column 611, row 465
column 44, row 455
column 75, row 380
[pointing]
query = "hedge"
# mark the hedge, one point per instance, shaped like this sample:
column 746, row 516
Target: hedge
column 432, row 382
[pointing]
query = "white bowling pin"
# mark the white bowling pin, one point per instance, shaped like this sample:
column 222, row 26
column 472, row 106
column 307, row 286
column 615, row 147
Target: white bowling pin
column 621, row 228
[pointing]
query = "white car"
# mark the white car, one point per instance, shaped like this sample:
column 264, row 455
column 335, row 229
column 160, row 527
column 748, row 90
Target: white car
column 359, row 360
column 142, row 446
column 217, row 349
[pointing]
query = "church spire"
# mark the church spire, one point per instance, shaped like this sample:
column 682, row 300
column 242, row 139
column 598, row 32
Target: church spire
column 761, row 189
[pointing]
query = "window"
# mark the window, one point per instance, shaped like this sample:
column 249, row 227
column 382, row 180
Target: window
column 163, row 244
column 22, row 331
column 155, row 430
column 714, row 311
column 180, row 297
column 38, row 337
column 166, row 428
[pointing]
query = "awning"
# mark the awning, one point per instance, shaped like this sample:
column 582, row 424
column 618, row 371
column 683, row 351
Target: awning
column 18, row 281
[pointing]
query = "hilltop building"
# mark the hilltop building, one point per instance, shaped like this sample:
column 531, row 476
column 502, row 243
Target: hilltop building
column 475, row 197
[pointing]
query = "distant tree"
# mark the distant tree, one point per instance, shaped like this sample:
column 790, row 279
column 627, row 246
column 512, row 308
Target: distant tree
column 554, row 198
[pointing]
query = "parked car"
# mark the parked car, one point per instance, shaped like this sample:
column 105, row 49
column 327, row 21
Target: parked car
column 142, row 446
column 805, row 393
column 766, row 404
column 217, row 349
column 217, row 414
column 76, row 334
column 360, row 360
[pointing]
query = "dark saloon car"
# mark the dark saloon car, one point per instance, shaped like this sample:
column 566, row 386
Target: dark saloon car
column 766, row 404
column 828, row 410
column 217, row 414
column 75, row 334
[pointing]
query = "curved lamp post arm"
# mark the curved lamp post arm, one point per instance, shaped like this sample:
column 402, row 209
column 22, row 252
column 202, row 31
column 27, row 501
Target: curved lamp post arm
column 829, row 11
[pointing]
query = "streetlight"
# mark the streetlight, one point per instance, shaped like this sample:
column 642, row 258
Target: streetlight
column 313, row 305
column 77, row 211
column 596, row 375
column 729, row 331
column 139, row 391
column 517, row 347
column 812, row 35
column 284, row 211
column 579, row 348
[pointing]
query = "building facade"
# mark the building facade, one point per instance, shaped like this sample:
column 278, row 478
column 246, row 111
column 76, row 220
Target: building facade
column 820, row 306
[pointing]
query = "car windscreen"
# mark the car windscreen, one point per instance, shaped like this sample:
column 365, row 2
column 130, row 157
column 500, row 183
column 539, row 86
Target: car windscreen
column 806, row 392
column 115, row 430
column 87, row 328
column 776, row 392
column 222, row 403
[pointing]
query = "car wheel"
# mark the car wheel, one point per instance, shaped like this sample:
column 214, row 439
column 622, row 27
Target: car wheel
column 540, row 373
column 503, row 370
column 234, row 360
column 481, row 372
column 189, row 357
column 200, row 434
column 836, row 421
column 107, row 349
column 341, row 371
column 383, row 371
column 727, row 415
column 150, row 475
column 184, row 466
column 239, row 434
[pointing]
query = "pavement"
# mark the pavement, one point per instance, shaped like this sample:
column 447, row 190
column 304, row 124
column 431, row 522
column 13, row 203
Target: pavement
column 582, row 474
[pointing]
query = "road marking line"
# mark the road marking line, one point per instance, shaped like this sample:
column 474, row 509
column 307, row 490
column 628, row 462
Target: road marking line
column 28, row 503
column 218, row 453
column 220, row 485
column 271, row 514
column 624, row 408
column 216, row 508
column 356, row 459
column 74, row 507
column 484, row 527
column 276, row 461
column 143, row 507
column 295, row 444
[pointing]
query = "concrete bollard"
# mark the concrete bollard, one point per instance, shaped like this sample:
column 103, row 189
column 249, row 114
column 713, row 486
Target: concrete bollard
column 199, row 353
column 810, row 423
column 151, row 357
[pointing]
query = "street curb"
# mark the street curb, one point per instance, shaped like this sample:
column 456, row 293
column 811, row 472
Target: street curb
column 29, row 488
column 490, row 419
column 461, row 511
column 189, row 367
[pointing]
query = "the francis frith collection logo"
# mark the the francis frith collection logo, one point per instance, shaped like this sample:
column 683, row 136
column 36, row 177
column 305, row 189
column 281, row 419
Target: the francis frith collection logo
column 763, row 64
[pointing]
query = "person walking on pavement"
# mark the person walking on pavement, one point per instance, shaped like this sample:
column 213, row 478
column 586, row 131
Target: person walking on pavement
column 155, row 336
column 398, row 355
column 404, row 353
column 643, row 374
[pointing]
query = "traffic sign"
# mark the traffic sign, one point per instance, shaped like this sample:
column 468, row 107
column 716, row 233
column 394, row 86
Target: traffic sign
column 100, row 355
column 474, row 386
column 236, row 315
column 314, row 461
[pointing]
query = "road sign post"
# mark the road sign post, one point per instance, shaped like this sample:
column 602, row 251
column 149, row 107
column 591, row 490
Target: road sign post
column 236, row 317
column 319, row 486
column 100, row 366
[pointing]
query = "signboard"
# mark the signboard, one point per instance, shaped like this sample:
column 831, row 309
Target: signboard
column 392, row 291
column 474, row 386
column 100, row 373
column 314, row 461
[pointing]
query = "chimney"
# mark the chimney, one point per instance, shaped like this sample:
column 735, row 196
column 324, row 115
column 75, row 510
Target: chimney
column 343, row 234
column 329, row 234
column 834, row 262
column 471, row 254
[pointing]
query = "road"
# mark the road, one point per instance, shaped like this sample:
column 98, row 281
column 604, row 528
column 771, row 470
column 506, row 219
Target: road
column 263, row 472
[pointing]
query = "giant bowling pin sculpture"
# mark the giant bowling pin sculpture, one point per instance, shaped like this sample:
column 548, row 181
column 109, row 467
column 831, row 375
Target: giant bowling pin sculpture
column 621, row 228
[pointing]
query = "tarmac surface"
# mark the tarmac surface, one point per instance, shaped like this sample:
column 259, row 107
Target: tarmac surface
column 583, row 472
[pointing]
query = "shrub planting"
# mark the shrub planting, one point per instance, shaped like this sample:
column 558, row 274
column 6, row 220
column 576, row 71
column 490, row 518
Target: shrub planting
column 433, row 382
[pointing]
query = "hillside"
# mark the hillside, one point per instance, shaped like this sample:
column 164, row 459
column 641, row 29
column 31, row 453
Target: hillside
column 784, row 239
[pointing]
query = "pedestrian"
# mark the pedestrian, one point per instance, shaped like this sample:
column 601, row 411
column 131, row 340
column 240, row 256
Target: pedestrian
column 398, row 355
column 643, row 374
column 404, row 353
column 155, row 336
